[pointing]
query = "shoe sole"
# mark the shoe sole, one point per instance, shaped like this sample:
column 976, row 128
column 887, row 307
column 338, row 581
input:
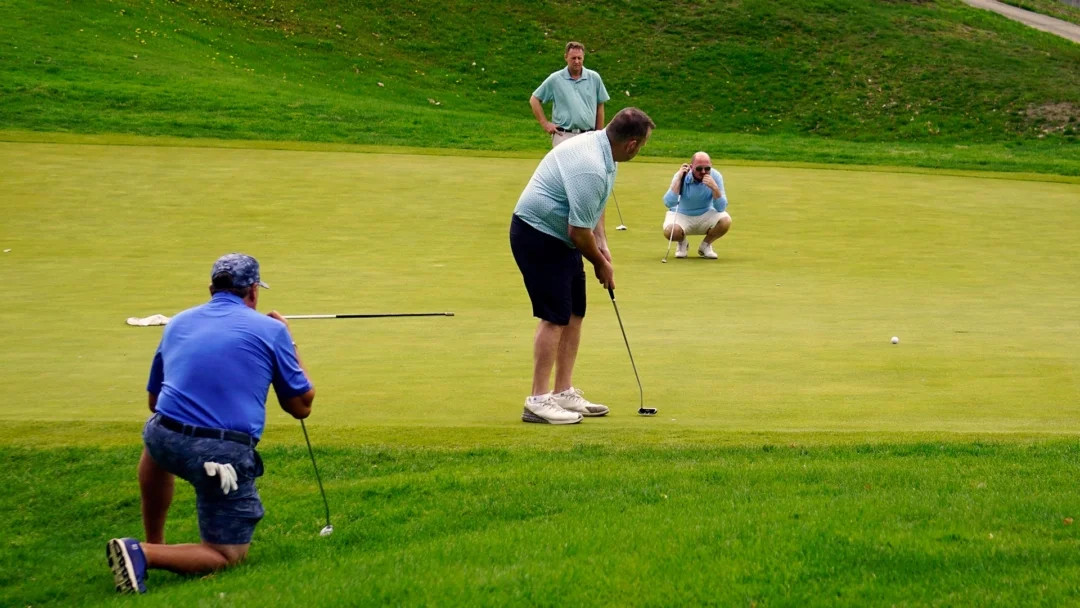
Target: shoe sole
column 121, row 566
column 528, row 416
column 595, row 414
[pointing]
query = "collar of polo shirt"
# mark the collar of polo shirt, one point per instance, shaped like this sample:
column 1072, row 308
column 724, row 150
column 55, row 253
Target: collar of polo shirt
column 584, row 73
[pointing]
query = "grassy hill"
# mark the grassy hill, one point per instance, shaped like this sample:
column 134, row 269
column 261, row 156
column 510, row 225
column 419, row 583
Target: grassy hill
column 458, row 74
column 1053, row 8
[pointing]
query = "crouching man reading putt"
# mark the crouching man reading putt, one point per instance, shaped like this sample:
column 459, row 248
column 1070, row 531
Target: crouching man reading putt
column 558, row 219
column 208, row 386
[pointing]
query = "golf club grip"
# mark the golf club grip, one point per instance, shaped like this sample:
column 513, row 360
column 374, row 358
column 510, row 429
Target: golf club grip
column 373, row 316
column 611, row 292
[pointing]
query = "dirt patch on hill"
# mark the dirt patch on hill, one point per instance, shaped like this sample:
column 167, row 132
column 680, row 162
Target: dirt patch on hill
column 1054, row 117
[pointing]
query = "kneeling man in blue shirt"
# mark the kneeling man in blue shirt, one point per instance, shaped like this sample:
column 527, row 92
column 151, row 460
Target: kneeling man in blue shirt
column 701, row 208
column 207, row 391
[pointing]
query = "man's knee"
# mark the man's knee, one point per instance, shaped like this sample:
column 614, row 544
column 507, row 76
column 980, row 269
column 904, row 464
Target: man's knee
column 722, row 225
column 675, row 232
column 232, row 554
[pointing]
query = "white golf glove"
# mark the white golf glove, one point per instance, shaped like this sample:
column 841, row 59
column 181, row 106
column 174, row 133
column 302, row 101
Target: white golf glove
column 225, row 472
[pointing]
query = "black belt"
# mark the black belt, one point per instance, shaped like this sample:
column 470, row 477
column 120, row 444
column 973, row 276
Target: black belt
column 207, row 433
column 573, row 131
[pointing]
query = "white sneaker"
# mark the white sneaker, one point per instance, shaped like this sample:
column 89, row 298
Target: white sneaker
column 705, row 251
column 573, row 400
column 545, row 410
column 682, row 249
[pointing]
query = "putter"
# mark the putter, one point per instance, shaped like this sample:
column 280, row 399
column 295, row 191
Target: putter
column 674, row 223
column 328, row 529
column 642, row 410
column 373, row 316
column 622, row 225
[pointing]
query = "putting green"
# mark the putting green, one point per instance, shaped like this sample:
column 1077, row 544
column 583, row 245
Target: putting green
column 788, row 330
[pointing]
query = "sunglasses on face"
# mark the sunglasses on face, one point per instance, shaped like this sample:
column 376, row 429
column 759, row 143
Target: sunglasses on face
column 702, row 169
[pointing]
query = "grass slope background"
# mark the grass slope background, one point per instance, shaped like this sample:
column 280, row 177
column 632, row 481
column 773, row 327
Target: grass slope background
column 922, row 81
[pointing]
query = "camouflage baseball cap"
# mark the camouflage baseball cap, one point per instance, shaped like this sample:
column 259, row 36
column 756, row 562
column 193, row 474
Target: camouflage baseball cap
column 243, row 269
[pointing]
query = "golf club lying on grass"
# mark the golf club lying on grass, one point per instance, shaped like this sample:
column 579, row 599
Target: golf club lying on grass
column 374, row 315
column 674, row 224
column 328, row 529
column 622, row 225
column 642, row 410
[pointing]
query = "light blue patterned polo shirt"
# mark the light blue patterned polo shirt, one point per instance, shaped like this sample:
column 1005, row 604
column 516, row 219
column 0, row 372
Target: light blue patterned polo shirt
column 570, row 187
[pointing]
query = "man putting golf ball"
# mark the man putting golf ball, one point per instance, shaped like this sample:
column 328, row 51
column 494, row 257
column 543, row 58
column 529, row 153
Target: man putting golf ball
column 559, row 218
column 207, row 392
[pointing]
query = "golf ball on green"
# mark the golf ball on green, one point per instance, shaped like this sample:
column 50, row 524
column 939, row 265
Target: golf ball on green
column 895, row 340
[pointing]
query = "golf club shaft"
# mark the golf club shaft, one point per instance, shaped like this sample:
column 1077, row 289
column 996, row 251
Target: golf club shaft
column 316, row 467
column 641, row 391
column 674, row 224
column 621, row 222
column 374, row 315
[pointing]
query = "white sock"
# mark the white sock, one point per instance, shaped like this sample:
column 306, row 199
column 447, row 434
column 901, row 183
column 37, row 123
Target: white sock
column 534, row 399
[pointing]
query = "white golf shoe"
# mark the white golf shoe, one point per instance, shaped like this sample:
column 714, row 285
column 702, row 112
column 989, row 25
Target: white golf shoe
column 574, row 400
column 545, row 410
column 682, row 248
column 705, row 251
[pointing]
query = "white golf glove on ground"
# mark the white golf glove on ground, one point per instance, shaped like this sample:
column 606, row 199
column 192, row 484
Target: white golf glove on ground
column 225, row 472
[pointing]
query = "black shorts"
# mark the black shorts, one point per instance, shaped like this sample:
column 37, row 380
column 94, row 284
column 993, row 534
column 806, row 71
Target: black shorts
column 553, row 273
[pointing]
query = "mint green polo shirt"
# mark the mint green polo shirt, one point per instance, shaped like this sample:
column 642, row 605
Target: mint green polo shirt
column 570, row 187
column 574, row 100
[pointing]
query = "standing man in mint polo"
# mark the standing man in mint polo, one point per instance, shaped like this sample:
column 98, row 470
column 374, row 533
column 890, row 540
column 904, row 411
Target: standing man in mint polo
column 207, row 394
column 558, row 219
column 697, row 204
column 578, row 94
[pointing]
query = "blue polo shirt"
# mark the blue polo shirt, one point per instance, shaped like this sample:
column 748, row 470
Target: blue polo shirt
column 575, row 100
column 697, row 198
column 570, row 187
column 216, row 363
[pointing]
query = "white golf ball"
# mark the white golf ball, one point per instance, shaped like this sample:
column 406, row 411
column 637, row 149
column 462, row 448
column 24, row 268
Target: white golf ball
column 895, row 340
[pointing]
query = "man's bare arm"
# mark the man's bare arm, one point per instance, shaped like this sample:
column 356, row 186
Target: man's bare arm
column 599, row 116
column 538, row 112
column 585, row 241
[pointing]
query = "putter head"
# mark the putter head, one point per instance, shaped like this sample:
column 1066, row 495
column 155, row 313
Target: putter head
column 663, row 261
column 646, row 411
column 327, row 531
column 620, row 227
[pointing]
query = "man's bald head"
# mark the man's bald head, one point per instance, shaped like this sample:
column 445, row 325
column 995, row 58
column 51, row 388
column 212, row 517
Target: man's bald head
column 700, row 165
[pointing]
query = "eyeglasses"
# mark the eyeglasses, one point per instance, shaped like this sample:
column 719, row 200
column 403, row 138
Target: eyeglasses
column 702, row 169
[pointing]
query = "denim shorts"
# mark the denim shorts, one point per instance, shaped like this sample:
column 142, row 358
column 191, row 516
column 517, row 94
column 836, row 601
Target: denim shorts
column 224, row 519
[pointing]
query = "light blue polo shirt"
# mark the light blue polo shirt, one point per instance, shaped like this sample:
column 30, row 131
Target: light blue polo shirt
column 570, row 187
column 216, row 362
column 697, row 198
column 575, row 100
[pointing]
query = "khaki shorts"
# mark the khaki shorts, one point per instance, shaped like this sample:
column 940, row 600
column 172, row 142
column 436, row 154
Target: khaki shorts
column 696, row 224
column 559, row 137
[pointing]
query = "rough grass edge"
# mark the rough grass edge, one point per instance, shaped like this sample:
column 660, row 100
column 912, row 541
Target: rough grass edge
column 35, row 137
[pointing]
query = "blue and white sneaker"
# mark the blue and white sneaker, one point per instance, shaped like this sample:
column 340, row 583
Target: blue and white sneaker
column 128, row 565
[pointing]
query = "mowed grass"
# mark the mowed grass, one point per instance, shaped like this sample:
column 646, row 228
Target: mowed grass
column 766, row 525
column 798, row 458
column 788, row 330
